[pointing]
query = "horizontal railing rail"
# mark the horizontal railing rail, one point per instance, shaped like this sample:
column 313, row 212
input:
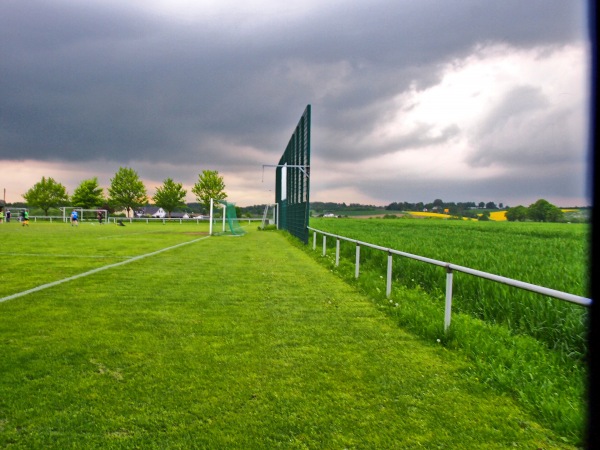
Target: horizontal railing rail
column 450, row 268
column 115, row 219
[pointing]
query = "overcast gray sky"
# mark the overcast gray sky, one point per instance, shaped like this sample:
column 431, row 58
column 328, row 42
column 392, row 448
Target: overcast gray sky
column 464, row 100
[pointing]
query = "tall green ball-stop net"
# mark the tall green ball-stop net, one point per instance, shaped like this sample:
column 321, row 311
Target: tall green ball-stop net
column 292, row 181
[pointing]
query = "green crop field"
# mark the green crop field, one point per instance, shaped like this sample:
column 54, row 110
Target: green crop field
column 158, row 336
column 550, row 255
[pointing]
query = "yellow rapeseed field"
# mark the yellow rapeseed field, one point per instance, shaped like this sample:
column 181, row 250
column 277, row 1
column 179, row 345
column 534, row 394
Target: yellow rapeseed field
column 429, row 214
column 498, row 216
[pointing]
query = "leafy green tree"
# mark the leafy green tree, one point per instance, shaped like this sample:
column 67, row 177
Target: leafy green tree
column 484, row 217
column 170, row 196
column 210, row 185
column 517, row 214
column 46, row 194
column 127, row 190
column 544, row 211
column 88, row 194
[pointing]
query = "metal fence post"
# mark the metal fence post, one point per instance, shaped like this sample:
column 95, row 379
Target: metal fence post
column 357, row 269
column 448, row 309
column 337, row 252
column 324, row 245
column 314, row 240
column 388, row 287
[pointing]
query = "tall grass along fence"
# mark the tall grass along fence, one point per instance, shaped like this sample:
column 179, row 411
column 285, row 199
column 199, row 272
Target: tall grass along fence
column 449, row 268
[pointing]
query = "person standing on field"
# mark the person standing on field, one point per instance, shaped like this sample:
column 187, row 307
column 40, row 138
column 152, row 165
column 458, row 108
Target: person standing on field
column 25, row 217
column 1, row 215
column 100, row 215
column 8, row 215
column 74, row 219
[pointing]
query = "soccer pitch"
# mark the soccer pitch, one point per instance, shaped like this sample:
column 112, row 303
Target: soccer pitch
column 158, row 336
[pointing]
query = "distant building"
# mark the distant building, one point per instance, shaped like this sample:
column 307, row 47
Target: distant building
column 151, row 211
column 157, row 212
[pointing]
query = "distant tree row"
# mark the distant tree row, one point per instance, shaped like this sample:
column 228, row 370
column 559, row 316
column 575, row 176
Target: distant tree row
column 329, row 206
column 126, row 191
column 456, row 209
column 540, row 211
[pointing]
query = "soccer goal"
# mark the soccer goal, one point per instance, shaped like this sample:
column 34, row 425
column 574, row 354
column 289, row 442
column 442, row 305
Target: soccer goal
column 94, row 215
column 270, row 216
column 229, row 220
column 85, row 215
column 17, row 213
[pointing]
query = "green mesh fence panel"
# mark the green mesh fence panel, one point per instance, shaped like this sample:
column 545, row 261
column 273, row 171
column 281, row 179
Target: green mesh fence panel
column 292, row 181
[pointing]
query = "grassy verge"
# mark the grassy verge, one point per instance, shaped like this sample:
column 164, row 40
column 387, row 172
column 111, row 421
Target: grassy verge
column 553, row 388
column 229, row 343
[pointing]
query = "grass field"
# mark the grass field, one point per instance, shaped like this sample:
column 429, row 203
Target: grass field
column 178, row 340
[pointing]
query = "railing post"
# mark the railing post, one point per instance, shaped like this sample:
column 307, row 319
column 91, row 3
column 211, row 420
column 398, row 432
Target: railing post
column 448, row 309
column 337, row 252
column 357, row 269
column 388, row 286
column 314, row 240
column 324, row 245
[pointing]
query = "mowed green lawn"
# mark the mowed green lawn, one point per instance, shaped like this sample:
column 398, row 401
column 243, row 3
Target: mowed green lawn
column 226, row 342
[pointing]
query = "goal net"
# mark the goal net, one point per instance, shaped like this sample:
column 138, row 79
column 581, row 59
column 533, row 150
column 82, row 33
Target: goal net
column 229, row 220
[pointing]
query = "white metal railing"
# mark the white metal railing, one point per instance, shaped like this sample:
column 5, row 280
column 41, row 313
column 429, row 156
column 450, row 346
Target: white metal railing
column 450, row 268
column 64, row 219
column 114, row 219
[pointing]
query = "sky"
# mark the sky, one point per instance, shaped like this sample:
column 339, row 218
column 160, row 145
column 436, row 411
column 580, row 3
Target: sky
column 464, row 100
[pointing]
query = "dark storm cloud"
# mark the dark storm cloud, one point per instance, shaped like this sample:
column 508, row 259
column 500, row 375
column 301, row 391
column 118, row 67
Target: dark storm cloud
column 520, row 132
column 85, row 81
column 81, row 81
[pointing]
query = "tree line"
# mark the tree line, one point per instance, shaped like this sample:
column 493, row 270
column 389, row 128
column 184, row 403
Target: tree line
column 126, row 191
column 453, row 208
column 540, row 211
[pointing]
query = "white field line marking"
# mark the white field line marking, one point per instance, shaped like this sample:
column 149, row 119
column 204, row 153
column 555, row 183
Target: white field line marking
column 51, row 255
column 114, row 236
column 99, row 269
